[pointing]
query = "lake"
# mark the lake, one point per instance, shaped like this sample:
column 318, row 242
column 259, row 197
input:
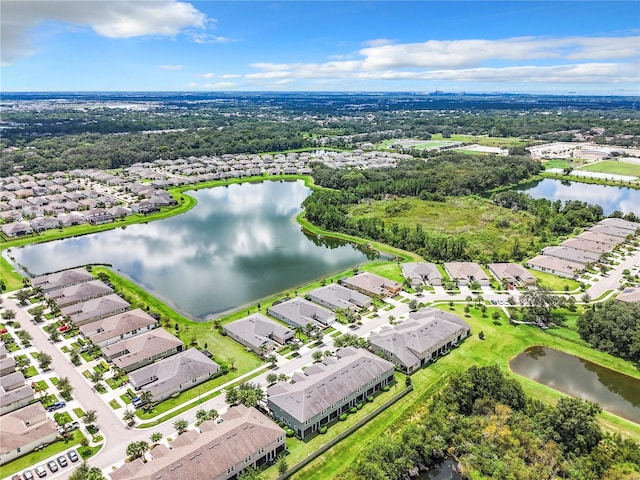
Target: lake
column 445, row 471
column 615, row 392
column 239, row 244
column 608, row 197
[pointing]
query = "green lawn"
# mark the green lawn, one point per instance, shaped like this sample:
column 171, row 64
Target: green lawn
column 504, row 142
column 30, row 372
column 502, row 342
column 614, row 168
column 562, row 164
column 78, row 412
column 115, row 404
column 554, row 282
column 33, row 458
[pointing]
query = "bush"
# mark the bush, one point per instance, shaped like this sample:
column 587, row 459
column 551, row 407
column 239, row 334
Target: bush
column 323, row 430
column 342, row 417
column 353, row 410
column 386, row 388
column 359, row 406
column 290, row 432
column 369, row 399
column 281, row 424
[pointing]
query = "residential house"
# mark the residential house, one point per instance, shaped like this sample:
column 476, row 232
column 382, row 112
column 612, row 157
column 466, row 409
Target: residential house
column 44, row 223
column 629, row 295
column 65, row 278
column 613, row 231
column 336, row 296
column 118, row 327
column 325, row 390
column 599, row 238
column 259, row 333
column 420, row 273
column 245, row 438
column 7, row 363
column 174, row 374
column 372, row 285
column 587, row 245
column 99, row 216
column 23, row 430
column 299, row 312
column 466, row 272
column 414, row 343
column 141, row 350
column 71, row 219
column 16, row 229
column 555, row 266
column 14, row 394
column 571, row 254
column 633, row 227
column 78, row 293
column 95, row 309
column 514, row 273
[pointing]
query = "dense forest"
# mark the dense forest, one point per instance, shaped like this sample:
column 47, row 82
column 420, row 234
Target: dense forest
column 441, row 175
column 613, row 327
column 51, row 132
column 485, row 422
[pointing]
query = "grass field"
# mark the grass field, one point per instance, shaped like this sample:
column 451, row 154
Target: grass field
column 547, row 164
column 502, row 342
column 477, row 219
column 554, row 282
column 614, row 168
column 505, row 142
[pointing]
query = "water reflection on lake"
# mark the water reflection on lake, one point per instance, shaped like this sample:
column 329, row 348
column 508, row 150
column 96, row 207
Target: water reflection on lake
column 608, row 197
column 445, row 471
column 238, row 244
column 575, row 376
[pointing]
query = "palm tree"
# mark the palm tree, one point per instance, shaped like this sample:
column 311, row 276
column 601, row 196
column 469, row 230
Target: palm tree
column 147, row 398
column 40, row 388
column 137, row 449
column 128, row 416
column 201, row 416
column 89, row 417
column 96, row 377
column 180, row 425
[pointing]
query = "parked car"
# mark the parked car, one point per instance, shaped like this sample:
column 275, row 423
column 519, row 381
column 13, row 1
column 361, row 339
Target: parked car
column 53, row 466
column 73, row 456
column 136, row 402
column 62, row 461
column 40, row 471
column 27, row 475
column 56, row 406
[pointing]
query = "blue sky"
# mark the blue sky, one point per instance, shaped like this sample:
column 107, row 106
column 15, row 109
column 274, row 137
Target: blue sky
column 586, row 47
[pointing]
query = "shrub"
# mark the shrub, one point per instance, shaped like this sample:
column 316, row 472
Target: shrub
column 290, row 432
column 323, row 430
column 359, row 406
column 342, row 417
column 281, row 423
column 386, row 388
column 353, row 410
column 369, row 399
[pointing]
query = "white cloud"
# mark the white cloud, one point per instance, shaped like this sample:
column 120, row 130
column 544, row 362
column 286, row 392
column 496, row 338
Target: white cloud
column 108, row 18
column 219, row 85
column 171, row 67
column 562, row 60
column 224, row 76
column 207, row 38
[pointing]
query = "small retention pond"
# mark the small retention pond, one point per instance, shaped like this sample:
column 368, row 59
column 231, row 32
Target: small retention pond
column 445, row 471
column 615, row 392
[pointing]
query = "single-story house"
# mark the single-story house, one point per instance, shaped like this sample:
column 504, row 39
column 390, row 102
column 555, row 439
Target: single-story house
column 336, row 296
column 629, row 295
column 421, row 273
column 44, row 223
column 95, row 309
column 371, row 284
column 174, row 374
column 596, row 237
column 416, row 342
column 141, row 350
column 612, row 231
column 587, row 245
column 325, row 390
column 514, row 273
column 259, row 333
column 571, row 254
column 118, row 327
column 298, row 312
column 16, row 229
column 14, row 393
column 633, row 227
column 555, row 266
column 65, row 278
column 244, row 438
column 7, row 363
column 23, row 430
column 78, row 293
column 466, row 272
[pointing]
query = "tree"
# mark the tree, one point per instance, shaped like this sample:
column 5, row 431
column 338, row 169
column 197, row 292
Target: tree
column 272, row 378
column 86, row 472
column 282, row 466
column 129, row 416
column 40, row 388
column 249, row 394
column 146, row 397
column 74, row 357
column 89, row 417
column 65, row 388
column 8, row 314
column 574, row 424
column 317, row 356
column 539, row 304
column 44, row 360
column 495, row 315
column 137, row 449
column 96, row 376
column 180, row 425
column 155, row 437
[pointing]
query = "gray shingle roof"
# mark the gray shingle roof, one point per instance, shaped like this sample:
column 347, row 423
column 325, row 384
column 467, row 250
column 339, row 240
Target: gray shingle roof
column 339, row 297
column 136, row 349
column 328, row 383
column 256, row 330
column 301, row 312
